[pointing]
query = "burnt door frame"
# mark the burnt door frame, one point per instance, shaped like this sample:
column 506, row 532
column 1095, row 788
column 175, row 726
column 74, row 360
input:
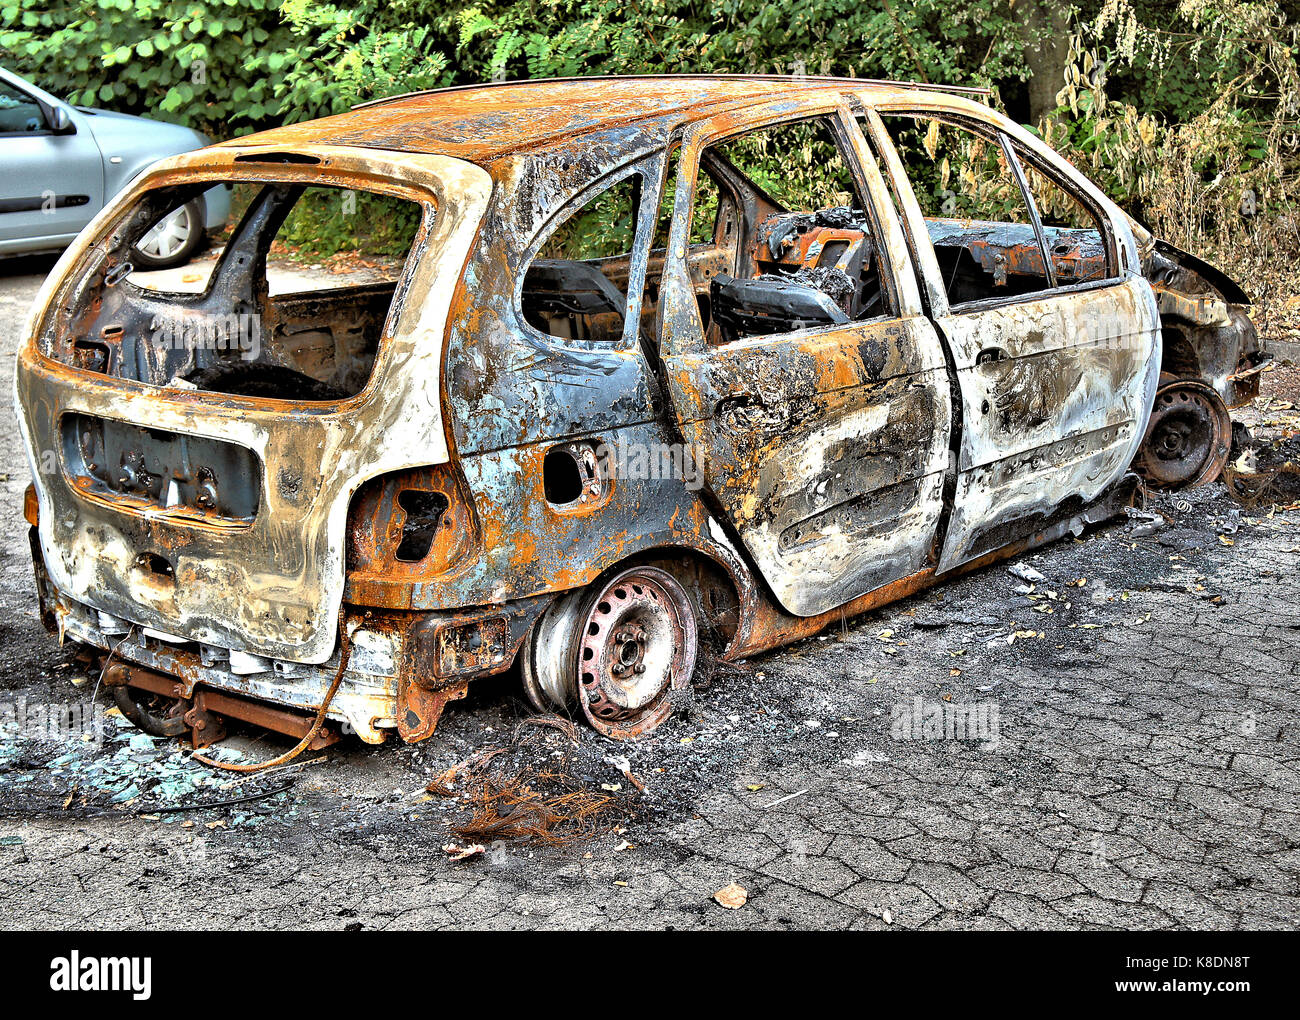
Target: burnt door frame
column 1055, row 385
column 825, row 450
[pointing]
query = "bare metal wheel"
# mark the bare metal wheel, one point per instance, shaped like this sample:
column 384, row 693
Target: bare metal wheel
column 173, row 239
column 623, row 650
column 1188, row 437
column 548, row 661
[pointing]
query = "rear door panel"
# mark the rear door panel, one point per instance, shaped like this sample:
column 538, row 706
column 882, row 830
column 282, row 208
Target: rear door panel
column 826, row 452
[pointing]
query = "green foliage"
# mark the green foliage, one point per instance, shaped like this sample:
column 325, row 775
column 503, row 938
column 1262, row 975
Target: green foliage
column 977, row 41
column 603, row 228
column 214, row 66
column 1218, row 163
column 965, row 40
column 327, row 221
column 1164, row 97
column 342, row 56
column 799, row 165
column 270, row 61
column 957, row 174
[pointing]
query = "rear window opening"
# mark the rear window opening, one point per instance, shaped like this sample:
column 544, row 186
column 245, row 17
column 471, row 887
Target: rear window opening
column 293, row 306
column 576, row 287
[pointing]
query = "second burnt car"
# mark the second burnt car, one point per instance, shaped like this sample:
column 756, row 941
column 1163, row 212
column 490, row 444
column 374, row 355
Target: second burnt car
column 674, row 366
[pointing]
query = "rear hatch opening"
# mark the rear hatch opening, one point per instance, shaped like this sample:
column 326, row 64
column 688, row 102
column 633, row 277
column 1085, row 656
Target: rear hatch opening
column 196, row 434
column 293, row 306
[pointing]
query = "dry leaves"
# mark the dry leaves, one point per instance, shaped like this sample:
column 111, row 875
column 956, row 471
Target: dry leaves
column 732, row 896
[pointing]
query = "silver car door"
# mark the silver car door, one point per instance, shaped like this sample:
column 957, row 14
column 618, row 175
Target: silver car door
column 51, row 182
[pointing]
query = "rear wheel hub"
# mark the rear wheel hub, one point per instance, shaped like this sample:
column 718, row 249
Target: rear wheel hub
column 622, row 651
column 626, row 655
column 1188, row 437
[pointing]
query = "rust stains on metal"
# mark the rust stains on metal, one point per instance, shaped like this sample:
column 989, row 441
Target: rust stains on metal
column 201, row 712
column 419, row 709
column 728, row 432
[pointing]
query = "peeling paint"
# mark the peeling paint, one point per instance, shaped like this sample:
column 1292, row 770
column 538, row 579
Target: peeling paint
column 846, row 460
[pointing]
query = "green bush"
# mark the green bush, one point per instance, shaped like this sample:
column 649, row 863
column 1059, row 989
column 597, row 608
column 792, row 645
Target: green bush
column 1184, row 110
column 327, row 221
column 214, row 66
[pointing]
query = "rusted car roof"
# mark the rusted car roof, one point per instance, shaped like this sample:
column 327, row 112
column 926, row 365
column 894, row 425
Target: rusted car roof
column 482, row 122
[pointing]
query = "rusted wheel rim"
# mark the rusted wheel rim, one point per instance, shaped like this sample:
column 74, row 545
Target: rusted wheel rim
column 548, row 684
column 635, row 650
column 1188, row 437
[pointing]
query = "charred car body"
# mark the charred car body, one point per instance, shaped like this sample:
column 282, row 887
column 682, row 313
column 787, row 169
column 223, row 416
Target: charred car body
column 673, row 365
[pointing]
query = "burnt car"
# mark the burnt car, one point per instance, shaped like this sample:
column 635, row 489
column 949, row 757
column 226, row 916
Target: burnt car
column 675, row 367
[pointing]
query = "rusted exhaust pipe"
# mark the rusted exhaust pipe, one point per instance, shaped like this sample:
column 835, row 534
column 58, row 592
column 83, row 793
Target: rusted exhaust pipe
column 204, row 713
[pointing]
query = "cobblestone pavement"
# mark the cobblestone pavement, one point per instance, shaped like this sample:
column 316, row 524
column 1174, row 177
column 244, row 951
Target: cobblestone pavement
column 1119, row 753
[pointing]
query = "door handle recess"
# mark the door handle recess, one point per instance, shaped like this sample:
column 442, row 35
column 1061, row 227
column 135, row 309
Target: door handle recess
column 991, row 354
column 739, row 409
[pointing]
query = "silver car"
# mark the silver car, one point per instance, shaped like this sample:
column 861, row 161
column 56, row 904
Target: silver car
column 61, row 164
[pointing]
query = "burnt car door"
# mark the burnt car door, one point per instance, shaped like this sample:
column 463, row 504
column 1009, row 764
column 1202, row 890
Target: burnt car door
column 799, row 367
column 1052, row 332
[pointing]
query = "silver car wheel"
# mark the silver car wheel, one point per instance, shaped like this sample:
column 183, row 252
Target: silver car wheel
column 169, row 235
column 548, row 683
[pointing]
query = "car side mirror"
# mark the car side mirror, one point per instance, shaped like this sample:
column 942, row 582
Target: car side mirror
column 60, row 120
